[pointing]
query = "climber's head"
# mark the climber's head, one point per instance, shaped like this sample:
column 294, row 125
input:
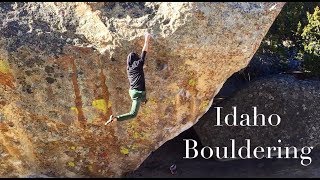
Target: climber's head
column 131, row 58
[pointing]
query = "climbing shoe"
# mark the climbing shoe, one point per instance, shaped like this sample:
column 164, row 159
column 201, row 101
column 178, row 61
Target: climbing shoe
column 110, row 120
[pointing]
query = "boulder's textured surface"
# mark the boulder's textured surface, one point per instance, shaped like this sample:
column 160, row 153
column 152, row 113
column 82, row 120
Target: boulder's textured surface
column 63, row 72
column 294, row 100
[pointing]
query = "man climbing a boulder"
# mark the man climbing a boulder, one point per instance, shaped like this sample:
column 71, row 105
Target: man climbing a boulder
column 136, row 79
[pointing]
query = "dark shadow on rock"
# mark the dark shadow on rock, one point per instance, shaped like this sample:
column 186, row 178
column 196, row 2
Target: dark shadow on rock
column 40, row 39
column 132, row 9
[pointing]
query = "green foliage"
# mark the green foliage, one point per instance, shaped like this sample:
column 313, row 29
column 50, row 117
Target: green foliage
column 311, row 42
column 296, row 29
column 311, row 33
column 287, row 25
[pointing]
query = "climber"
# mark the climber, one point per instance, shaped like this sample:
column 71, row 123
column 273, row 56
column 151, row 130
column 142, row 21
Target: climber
column 136, row 79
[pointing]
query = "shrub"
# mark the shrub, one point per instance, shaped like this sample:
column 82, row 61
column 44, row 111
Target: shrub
column 311, row 42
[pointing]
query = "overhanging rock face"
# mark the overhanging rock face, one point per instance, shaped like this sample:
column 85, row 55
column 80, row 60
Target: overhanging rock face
column 63, row 72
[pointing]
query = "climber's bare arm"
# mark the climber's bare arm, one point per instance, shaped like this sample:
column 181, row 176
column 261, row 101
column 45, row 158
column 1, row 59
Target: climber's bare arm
column 146, row 42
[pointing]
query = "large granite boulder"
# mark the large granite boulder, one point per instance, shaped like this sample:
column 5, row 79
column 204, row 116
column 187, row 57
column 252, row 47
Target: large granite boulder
column 63, row 72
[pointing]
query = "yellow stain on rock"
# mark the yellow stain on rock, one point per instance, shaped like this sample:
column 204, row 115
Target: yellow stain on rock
column 74, row 109
column 101, row 105
column 90, row 168
column 146, row 111
column 136, row 135
column 192, row 82
column 133, row 146
column 189, row 62
column 124, row 150
column 204, row 105
column 71, row 164
column 141, row 135
column 4, row 67
column 152, row 100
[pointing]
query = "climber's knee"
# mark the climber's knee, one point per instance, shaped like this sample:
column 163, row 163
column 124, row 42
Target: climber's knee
column 134, row 115
column 134, row 108
column 131, row 115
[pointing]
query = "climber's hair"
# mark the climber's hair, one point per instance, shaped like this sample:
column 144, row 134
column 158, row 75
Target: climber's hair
column 131, row 58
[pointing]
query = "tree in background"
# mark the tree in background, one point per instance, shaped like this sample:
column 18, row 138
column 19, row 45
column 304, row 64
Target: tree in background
column 285, row 41
column 311, row 42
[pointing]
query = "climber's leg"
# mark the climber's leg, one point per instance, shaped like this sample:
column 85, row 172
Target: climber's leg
column 133, row 112
column 136, row 101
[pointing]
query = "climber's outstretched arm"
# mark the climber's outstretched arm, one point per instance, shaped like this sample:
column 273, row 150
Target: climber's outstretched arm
column 146, row 42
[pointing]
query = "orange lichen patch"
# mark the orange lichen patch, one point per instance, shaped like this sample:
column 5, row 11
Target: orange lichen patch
column 13, row 151
column 64, row 62
column 3, row 127
column 105, row 92
column 6, row 77
column 69, row 62
column 2, row 103
column 78, row 100
column 82, row 50
column 7, row 80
